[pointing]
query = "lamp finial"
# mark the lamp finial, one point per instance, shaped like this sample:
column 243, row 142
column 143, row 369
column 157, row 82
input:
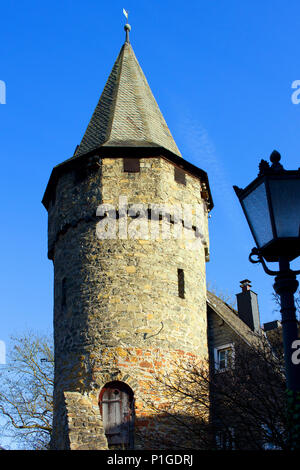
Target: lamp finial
column 275, row 158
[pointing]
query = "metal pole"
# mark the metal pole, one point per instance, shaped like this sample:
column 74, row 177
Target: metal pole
column 285, row 286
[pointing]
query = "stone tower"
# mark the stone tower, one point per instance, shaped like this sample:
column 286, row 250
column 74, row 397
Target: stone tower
column 127, row 302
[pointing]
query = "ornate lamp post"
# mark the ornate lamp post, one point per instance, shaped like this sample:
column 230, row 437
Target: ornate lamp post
column 271, row 204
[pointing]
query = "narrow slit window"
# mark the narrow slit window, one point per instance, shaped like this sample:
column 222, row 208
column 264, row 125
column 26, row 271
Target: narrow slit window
column 63, row 293
column 131, row 165
column 179, row 176
column 180, row 274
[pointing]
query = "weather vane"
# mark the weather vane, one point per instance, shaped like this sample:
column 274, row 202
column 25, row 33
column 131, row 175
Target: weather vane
column 127, row 26
column 125, row 13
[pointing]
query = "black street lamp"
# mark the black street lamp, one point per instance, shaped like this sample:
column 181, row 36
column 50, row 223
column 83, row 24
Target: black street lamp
column 271, row 204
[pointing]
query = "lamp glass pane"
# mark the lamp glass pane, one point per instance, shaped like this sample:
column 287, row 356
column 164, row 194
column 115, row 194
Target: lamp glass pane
column 257, row 210
column 285, row 196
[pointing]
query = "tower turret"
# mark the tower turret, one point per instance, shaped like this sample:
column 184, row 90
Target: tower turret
column 129, row 267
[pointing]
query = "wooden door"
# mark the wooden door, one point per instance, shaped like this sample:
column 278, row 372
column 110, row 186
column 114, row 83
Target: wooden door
column 116, row 403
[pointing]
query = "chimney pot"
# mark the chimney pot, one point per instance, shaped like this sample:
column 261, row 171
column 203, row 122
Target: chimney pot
column 245, row 285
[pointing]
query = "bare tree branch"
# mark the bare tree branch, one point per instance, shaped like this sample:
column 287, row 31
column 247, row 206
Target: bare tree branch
column 26, row 385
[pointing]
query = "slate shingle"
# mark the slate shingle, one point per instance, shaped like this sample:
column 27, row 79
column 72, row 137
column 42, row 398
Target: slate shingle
column 127, row 114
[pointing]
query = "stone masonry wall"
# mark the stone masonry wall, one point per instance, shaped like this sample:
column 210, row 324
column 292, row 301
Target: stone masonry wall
column 117, row 313
column 85, row 429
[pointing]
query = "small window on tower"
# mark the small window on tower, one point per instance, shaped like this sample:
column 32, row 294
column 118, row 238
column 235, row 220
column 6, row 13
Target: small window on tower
column 131, row 165
column 180, row 274
column 179, row 176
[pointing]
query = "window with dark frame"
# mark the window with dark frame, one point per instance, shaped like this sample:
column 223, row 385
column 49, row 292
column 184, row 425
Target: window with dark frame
column 179, row 176
column 225, row 439
column 131, row 165
column 180, row 274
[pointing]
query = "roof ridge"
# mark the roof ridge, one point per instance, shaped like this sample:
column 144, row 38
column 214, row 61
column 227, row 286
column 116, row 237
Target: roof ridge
column 139, row 97
column 131, row 57
column 240, row 327
column 89, row 133
column 223, row 301
column 117, row 88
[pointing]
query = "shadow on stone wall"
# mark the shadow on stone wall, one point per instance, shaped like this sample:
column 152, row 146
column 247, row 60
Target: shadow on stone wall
column 83, row 429
column 175, row 431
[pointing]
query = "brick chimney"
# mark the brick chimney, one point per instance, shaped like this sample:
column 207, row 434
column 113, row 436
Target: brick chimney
column 248, row 306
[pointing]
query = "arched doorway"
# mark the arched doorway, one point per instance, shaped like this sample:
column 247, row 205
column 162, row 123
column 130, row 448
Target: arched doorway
column 116, row 403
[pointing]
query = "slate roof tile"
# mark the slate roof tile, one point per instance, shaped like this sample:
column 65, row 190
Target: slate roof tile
column 127, row 113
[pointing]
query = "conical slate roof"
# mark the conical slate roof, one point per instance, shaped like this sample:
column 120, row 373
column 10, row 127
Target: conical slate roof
column 127, row 114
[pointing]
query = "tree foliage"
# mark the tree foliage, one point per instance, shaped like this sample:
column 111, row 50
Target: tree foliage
column 26, row 384
column 249, row 397
column 247, row 401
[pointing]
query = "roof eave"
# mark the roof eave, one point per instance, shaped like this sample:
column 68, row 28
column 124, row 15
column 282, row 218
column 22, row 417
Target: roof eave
column 247, row 335
column 147, row 151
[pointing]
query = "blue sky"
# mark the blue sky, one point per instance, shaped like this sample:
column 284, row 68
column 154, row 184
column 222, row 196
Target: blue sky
column 221, row 73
